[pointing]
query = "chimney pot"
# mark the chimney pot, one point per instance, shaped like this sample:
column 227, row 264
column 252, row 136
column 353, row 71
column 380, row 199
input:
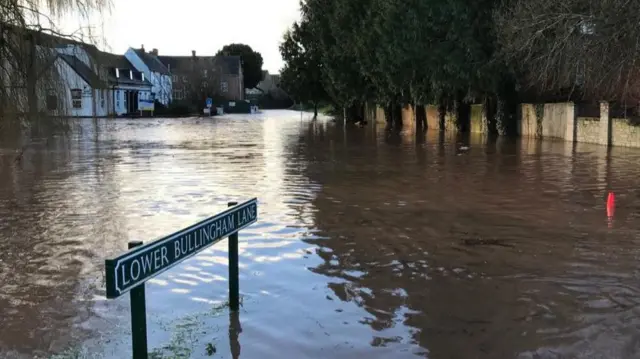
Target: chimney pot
column 142, row 47
column 193, row 53
column 154, row 52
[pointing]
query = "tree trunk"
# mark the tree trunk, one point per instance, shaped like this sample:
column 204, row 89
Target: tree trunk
column 442, row 112
column 508, row 108
column 388, row 113
column 421, row 117
column 397, row 115
column 490, row 111
column 463, row 113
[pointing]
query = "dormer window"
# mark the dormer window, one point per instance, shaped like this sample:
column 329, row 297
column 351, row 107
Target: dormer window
column 117, row 73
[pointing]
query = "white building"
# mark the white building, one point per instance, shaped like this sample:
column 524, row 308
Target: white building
column 157, row 73
column 86, row 94
column 75, row 79
column 130, row 88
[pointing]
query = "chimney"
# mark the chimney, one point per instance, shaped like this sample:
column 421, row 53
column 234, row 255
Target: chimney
column 142, row 47
column 154, row 52
column 193, row 53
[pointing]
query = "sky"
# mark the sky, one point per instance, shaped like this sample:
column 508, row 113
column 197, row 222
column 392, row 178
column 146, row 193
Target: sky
column 178, row 27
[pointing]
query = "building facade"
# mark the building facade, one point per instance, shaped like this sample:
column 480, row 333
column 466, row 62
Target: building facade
column 196, row 77
column 131, row 91
column 156, row 72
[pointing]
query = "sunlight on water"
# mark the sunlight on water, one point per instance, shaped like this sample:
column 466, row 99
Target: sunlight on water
column 369, row 243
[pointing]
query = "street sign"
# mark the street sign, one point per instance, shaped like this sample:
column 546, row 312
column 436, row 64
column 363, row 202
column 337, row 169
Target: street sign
column 142, row 263
column 209, row 102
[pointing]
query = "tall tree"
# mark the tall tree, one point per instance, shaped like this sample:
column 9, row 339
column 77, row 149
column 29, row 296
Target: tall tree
column 409, row 52
column 251, row 62
column 302, row 74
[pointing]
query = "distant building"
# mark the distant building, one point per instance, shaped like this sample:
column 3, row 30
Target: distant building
column 269, row 82
column 270, row 85
column 154, row 70
column 64, row 80
column 86, row 94
column 194, row 77
column 131, row 91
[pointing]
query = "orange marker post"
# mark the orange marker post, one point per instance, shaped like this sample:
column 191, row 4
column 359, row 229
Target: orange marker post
column 611, row 207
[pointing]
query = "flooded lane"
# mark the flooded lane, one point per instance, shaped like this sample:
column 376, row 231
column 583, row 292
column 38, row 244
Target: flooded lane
column 368, row 243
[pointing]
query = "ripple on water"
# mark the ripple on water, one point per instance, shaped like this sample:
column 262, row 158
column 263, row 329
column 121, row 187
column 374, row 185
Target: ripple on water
column 370, row 243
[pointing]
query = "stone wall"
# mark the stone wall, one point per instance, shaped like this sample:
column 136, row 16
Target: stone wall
column 433, row 120
column 558, row 120
column 550, row 120
column 588, row 129
column 408, row 121
column 478, row 121
column 530, row 126
column 624, row 134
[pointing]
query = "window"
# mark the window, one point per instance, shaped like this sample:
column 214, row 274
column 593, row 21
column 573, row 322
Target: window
column 117, row 73
column 101, row 94
column 224, row 86
column 178, row 94
column 205, row 73
column 153, row 96
column 205, row 84
column 142, row 76
column 174, row 78
column 52, row 102
column 76, row 98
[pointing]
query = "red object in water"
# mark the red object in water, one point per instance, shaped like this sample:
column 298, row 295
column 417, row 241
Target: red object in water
column 611, row 204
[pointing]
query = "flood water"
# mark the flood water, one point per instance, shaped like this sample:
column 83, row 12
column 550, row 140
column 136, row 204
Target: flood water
column 369, row 243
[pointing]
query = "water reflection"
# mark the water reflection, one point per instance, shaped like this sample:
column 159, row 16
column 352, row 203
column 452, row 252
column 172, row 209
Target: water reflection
column 400, row 238
column 370, row 242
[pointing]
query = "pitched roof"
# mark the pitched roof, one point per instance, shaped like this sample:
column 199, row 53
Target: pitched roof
column 46, row 39
column 233, row 64
column 151, row 61
column 184, row 63
column 120, row 62
column 114, row 61
column 83, row 71
column 127, row 81
column 229, row 64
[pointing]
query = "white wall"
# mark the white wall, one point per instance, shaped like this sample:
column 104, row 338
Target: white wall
column 162, row 87
column 74, row 81
column 161, row 84
column 166, row 91
column 102, row 102
column 120, row 108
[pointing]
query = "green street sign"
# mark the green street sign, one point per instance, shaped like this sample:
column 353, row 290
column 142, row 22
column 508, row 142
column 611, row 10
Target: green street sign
column 142, row 263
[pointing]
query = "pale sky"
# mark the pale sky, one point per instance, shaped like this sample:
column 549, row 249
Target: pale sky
column 177, row 27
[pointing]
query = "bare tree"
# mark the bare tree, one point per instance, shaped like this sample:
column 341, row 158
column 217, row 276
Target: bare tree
column 585, row 49
column 28, row 35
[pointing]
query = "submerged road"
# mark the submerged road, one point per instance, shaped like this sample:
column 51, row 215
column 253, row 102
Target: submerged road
column 368, row 243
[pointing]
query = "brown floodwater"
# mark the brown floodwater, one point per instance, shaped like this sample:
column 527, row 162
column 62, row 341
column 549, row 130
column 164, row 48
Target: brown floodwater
column 369, row 243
